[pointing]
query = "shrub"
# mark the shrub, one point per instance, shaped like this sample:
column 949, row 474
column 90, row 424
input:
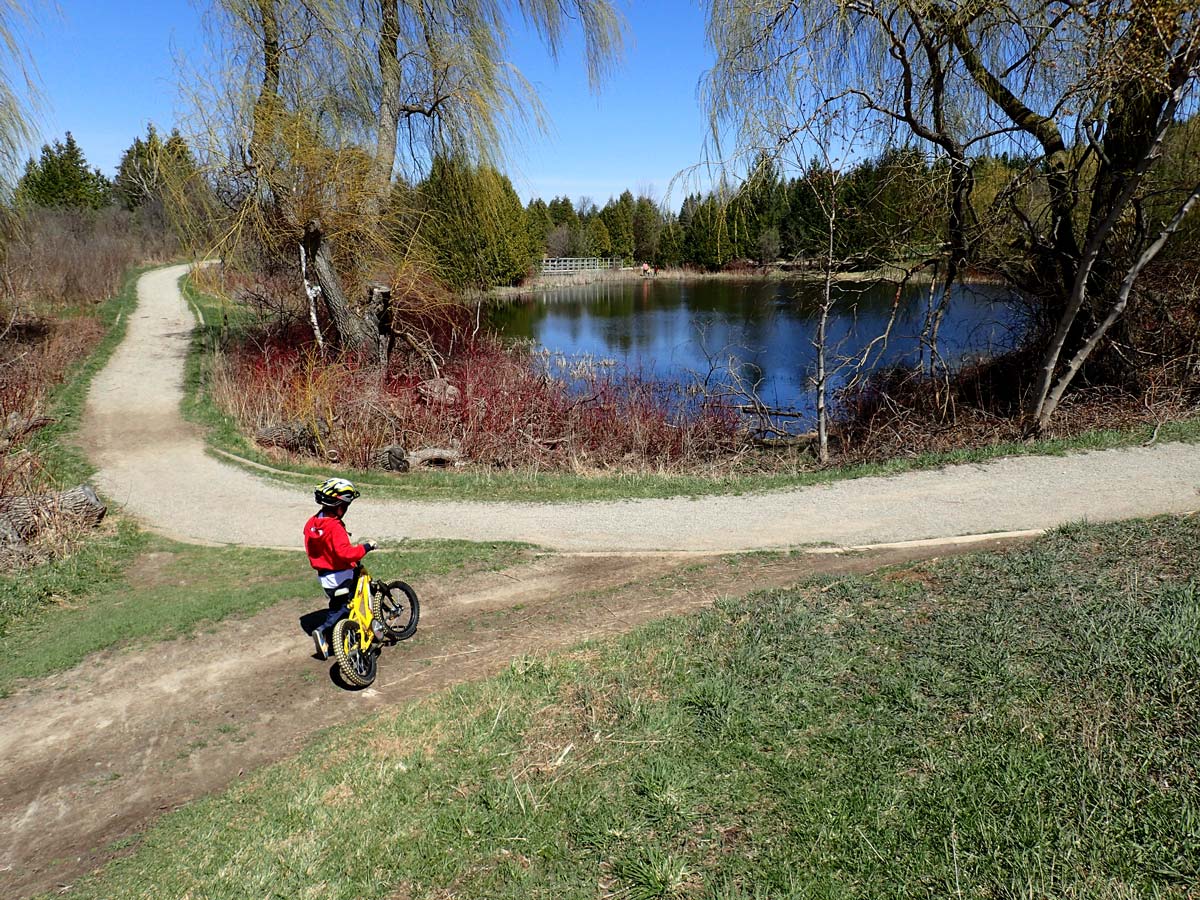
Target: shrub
column 510, row 413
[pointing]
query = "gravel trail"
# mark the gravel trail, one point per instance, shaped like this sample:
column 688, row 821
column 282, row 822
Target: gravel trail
column 153, row 463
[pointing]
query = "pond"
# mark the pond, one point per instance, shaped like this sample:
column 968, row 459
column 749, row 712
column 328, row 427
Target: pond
column 749, row 334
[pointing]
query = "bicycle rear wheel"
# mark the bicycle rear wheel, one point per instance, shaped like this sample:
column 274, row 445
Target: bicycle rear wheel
column 357, row 666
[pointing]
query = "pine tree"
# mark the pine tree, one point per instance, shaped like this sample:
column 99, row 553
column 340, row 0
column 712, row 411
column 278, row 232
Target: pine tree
column 597, row 240
column 618, row 219
column 61, row 178
column 151, row 168
column 537, row 214
column 647, row 226
column 475, row 225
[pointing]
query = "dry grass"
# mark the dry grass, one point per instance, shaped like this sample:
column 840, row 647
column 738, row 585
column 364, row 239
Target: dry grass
column 507, row 414
column 57, row 267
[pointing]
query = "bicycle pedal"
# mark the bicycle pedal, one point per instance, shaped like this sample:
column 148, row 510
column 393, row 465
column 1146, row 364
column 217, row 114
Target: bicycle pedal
column 379, row 631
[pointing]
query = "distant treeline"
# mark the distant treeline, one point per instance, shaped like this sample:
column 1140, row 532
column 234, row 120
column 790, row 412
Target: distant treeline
column 888, row 208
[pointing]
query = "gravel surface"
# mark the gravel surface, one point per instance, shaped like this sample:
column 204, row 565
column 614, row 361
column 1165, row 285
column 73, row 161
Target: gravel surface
column 154, row 464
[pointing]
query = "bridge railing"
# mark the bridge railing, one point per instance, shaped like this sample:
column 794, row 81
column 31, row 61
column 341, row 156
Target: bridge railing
column 566, row 265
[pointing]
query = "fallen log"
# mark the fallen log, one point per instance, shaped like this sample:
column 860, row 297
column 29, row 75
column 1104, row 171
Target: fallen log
column 391, row 459
column 439, row 390
column 772, row 413
column 295, row 437
column 434, row 458
column 21, row 518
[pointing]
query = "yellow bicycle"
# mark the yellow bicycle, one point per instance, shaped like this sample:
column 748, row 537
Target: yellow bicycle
column 381, row 614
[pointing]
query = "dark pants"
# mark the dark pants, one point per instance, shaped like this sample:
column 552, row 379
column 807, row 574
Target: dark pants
column 339, row 604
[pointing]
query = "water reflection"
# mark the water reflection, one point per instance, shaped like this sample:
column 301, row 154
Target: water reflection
column 755, row 331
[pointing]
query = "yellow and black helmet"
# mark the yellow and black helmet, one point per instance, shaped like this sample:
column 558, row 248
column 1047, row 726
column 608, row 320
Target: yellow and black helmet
column 335, row 492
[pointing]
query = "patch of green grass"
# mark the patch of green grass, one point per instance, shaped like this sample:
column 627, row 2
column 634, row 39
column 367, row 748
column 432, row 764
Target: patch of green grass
column 135, row 589
column 95, row 568
column 477, row 485
column 998, row 725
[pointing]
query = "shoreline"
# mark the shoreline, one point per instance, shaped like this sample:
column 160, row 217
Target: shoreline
column 540, row 284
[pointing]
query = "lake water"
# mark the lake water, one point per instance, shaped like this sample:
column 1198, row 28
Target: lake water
column 687, row 331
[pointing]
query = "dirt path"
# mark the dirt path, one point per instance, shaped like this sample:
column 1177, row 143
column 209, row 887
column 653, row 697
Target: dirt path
column 154, row 463
column 94, row 755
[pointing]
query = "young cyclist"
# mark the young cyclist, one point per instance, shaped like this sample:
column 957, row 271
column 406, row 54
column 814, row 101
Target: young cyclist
column 330, row 552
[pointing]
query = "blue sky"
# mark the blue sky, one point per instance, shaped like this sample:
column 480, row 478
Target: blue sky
column 107, row 68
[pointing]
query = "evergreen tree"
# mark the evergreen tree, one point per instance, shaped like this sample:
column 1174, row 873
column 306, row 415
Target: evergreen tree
column 706, row 234
column 61, row 178
column 618, row 218
column 597, row 240
column 805, row 225
column 475, row 225
column 669, row 250
column 537, row 214
column 757, row 210
column 567, row 237
column 562, row 212
column 647, row 226
column 150, row 169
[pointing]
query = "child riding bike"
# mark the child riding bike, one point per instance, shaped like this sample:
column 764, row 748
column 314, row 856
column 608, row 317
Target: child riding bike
column 330, row 552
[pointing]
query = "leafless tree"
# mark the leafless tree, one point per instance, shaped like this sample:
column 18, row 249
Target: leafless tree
column 1084, row 91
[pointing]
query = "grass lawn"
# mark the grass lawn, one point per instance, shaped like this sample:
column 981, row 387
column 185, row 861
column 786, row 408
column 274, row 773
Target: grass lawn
column 482, row 485
column 1011, row 724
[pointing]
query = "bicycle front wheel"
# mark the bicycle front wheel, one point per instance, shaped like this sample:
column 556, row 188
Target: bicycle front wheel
column 395, row 604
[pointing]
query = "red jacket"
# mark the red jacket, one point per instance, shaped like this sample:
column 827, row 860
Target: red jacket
column 328, row 545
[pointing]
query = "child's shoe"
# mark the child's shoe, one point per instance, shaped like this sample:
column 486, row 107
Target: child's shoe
column 322, row 645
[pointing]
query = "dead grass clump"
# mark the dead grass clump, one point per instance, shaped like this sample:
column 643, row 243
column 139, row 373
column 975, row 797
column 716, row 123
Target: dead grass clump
column 37, row 356
column 67, row 257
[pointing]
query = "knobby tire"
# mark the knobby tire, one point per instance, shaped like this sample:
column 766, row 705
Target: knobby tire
column 357, row 667
column 395, row 604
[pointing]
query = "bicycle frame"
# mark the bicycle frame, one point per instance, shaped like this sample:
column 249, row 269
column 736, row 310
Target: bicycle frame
column 360, row 610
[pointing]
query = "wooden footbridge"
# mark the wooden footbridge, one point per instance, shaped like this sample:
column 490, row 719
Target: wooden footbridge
column 568, row 265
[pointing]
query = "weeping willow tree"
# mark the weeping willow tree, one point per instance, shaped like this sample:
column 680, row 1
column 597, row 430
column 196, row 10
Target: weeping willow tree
column 19, row 97
column 17, row 92
column 1085, row 92
column 321, row 106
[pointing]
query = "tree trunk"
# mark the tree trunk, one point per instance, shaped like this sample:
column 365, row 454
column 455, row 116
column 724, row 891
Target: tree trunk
column 267, row 104
column 350, row 331
column 1050, row 403
column 434, row 458
column 21, row 518
column 1080, row 287
column 379, row 321
column 380, row 178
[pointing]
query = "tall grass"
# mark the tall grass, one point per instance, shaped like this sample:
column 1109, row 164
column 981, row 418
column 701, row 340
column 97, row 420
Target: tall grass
column 59, row 259
column 1020, row 724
